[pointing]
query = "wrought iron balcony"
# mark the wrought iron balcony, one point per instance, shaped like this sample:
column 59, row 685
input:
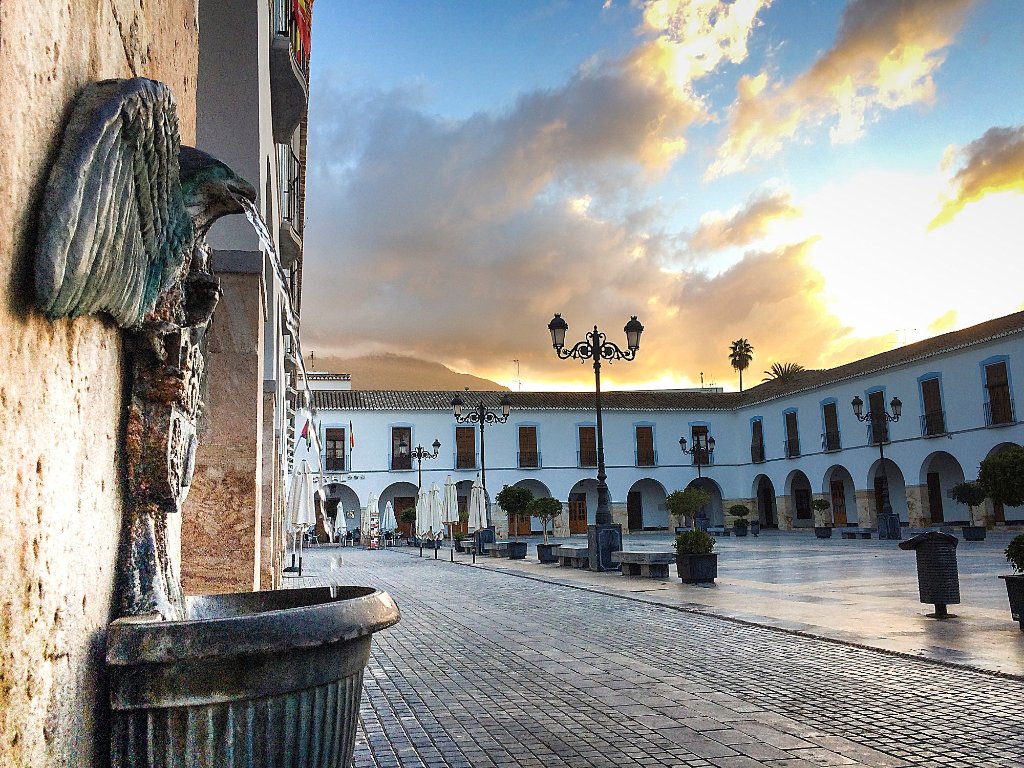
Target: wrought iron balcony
column 289, row 68
column 647, row 457
column 336, row 461
column 830, row 441
column 702, row 456
column 399, row 462
column 466, row 461
column 878, row 433
column 757, row 453
column 933, row 423
column 529, row 459
column 587, row 458
column 791, row 447
column 999, row 412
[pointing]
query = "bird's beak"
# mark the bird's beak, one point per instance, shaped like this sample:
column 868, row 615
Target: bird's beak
column 241, row 190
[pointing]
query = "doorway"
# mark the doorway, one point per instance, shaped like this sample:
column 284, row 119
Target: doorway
column 577, row 513
column 634, row 511
column 838, row 493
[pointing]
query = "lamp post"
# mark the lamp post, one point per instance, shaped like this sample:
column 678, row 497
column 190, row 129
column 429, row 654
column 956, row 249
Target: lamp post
column 888, row 521
column 419, row 453
column 703, row 446
column 482, row 416
column 604, row 537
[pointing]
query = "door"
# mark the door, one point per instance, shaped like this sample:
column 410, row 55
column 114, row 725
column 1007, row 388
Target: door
column 462, row 525
column 634, row 511
column 465, row 447
column 935, row 497
column 578, row 513
column 400, row 504
column 588, row 446
column 519, row 526
column 838, row 503
column 766, row 496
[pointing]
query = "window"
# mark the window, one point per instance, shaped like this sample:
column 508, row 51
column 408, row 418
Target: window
column 588, row 446
column 401, row 435
column 528, row 456
column 878, row 429
column 830, row 440
column 756, row 441
column 334, row 460
column 933, row 420
column 465, row 447
column 792, row 436
column 998, row 403
column 701, row 454
column 645, row 447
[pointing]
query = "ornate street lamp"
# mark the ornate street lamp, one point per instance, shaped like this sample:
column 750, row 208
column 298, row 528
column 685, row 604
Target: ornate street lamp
column 604, row 537
column 481, row 416
column 419, row 453
column 703, row 450
column 888, row 521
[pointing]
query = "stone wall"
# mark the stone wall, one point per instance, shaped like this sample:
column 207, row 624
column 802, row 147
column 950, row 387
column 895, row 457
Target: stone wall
column 62, row 389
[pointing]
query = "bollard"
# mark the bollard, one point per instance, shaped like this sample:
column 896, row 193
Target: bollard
column 938, row 581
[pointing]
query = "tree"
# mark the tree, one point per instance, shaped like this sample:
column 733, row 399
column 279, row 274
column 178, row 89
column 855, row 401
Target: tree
column 514, row 500
column 740, row 355
column 547, row 509
column 971, row 494
column 1002, row 476
column 684, row 504
column 783, row 372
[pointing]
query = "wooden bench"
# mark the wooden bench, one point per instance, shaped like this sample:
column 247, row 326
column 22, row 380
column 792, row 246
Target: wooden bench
column 856, row 533
column 574, row 556
column 651, row 564
column 719, row 530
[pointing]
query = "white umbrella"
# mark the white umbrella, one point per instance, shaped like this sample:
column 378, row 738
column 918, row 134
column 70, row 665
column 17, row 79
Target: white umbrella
column 300, row 505
column 422, row 514
column 450, row 503
column 477, row 506
column 434, row 510
column 387, row 520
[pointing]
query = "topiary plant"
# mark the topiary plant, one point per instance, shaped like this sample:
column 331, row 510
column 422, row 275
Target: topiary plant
column 972, row 494
column 1015, row 553
column 695, row 542
column 684, row 504
column 514, row 499
column 740, row 512
column 547, row 509
column 1002, row 477
column 820, row 507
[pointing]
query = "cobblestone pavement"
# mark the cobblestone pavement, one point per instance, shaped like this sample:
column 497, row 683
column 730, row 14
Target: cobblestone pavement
column 490, row 669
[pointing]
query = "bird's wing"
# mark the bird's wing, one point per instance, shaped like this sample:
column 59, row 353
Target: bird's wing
column 113, row 228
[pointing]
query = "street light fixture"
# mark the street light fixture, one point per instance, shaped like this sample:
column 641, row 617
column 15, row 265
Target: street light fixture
column 419, row 453
column 888, row 521
column 703, row 450
column 604, row 537
column 480, row 415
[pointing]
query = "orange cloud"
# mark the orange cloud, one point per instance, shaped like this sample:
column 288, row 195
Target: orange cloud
column 883, row 59
column 993, row 163
column 744, row 226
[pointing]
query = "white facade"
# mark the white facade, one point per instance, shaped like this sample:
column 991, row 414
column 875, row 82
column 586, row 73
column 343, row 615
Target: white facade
column 920, row 468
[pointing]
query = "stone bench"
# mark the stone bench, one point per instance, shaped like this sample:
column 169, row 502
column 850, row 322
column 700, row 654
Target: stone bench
column 496, row 548
column 719, row 530
column 576, row 557
column 856, row 533
column 651, row 564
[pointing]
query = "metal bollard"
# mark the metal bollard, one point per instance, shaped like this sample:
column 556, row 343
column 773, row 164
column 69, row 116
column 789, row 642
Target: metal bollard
column 938, row 579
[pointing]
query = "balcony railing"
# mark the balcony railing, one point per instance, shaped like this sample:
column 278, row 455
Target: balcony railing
column 465, row 460
column 586, row 458
column 830, row 441
column 296, row 27
column 703, row 457
column 289, row 173
column 646, row 457
column 757, row 452
column 399, row 462
column 528, row 459
column 999, row 412
column 878, row 434
column 791, row 447
column 336, row 463
column 933, row 423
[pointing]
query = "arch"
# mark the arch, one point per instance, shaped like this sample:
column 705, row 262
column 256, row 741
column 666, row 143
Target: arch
column 763, row 493
column 940, row 471
column 838, row 487
column 582, row 505
column 539, row 491
column 798, row 500
column 897, row 487
column 342, row 505
column 998, row 513
column 645, row 506
column 402, row 491
column 714, row 511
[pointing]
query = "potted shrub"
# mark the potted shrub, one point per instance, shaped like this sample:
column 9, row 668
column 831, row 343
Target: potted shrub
column 740, row 512
column 514, row 500
column 1015, row 581
column 822, row 518
column 695, row 561
column 458, row 537
column 408, row 515
column 685, row 504
column 547, row 509
column 973, row 495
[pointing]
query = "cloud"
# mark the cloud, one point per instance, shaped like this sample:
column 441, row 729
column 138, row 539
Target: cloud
column 884, row 57
column 993, row 163
column 745, row 225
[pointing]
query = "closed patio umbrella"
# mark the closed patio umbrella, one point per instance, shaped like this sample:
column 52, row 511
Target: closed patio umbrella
column 434, row 510
column 387, row 519
column 450, row 504
column 300, row 509
column 422, row 514
column 477, row 506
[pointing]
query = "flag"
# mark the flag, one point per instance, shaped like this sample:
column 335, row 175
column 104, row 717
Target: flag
column 305, row 434
column 351, row 437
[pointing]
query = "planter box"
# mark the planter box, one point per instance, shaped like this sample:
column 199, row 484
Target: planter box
column 289, row 662
column 697, row 569
column 740, row 531
column 517, row 550
column 974, row 532
column 546, row 553
column 458, row 545
column 1015, row 593
column 823, row 531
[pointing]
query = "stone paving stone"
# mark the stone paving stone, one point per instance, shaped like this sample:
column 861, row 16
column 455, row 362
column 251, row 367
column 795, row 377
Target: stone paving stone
column 490, row 670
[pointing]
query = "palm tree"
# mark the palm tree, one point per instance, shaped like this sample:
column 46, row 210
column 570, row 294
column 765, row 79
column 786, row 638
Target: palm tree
column 783, row 371
column 740, row 355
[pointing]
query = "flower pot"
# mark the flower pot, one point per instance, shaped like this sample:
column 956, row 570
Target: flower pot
column 1015, row 592
column 546, row 553
column 974, row 532
column 261, row 679
column 739, row 530
column 823, row 531
column 517, row 550
column 697, row 569
column 459, row 545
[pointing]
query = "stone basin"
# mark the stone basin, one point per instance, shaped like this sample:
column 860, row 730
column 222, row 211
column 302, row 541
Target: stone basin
column 267, row 678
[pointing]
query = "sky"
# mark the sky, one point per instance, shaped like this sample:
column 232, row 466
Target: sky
column 824, row 179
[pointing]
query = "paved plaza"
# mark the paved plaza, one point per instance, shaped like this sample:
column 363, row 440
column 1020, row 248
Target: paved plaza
column 517, row 664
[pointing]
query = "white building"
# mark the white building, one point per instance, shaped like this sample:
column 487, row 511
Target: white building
column 778, row 445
